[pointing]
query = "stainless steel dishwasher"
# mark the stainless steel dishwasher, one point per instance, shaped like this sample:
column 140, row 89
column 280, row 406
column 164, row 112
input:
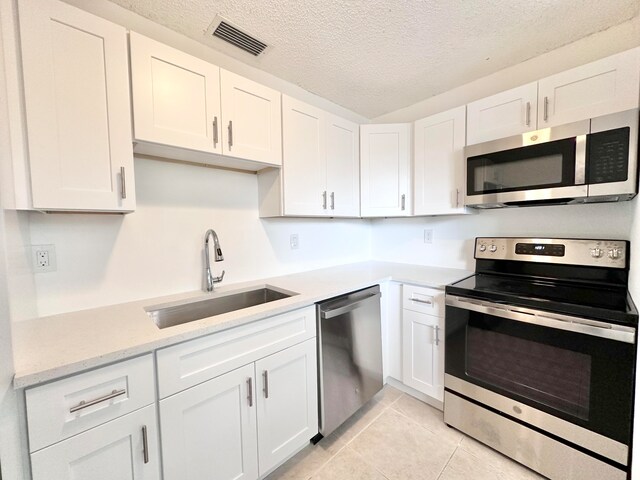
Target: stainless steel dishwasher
column 349, row 355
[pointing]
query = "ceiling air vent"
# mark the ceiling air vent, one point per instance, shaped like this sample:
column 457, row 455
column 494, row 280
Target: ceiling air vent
column 225, row 30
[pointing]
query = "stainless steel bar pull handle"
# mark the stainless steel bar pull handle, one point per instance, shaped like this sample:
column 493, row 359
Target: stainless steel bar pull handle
column 215, row 132
column 546, row 108
column 83, row 404
column 426, row 302
column 324, row 200
column 457, row 197
column 436, row 329
column 145, row 444
column 333, row 200
column 265, row 374
column 250, row 391
column 403, row 201
column 123, row 183
column 230, row 134
column 528, row 114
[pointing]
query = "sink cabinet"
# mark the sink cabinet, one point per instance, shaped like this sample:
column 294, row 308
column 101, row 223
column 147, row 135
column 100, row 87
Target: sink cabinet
column 236, row 404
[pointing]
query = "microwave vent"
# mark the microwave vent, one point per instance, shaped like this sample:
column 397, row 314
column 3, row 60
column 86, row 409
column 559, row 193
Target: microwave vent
column 226, row 31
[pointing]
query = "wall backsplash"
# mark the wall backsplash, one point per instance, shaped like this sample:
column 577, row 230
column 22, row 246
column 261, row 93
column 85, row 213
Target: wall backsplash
column 157, row 250
column 402, row 240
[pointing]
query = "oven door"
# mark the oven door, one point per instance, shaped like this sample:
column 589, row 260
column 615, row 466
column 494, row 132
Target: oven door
column 576, row 370
column 545, row 166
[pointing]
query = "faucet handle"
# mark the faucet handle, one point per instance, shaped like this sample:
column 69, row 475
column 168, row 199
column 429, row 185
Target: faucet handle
column 218, row 279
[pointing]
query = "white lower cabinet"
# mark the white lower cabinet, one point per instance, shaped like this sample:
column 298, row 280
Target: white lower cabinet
column 125, row 449
column 423, row 340
column 246, row 419
column 287, row 403
column 209, row 431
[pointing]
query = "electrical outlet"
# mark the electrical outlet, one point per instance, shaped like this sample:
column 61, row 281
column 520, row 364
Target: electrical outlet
column 428, row 235
column 293, row 241
column 44, row 258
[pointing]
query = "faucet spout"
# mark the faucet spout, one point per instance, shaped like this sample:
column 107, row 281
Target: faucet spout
column 218, row 257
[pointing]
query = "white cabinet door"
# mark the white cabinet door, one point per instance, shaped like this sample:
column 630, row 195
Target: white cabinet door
column 287, row 403
column 599, row 88
column 76, row 82
column 304, row 163
column 343, row 167
column 176, row 97
column 423, row 353
column 252, row 121
column 502, row 115
column 114, row 450
column 439, row 163
column 209, row 431
column 385, row 159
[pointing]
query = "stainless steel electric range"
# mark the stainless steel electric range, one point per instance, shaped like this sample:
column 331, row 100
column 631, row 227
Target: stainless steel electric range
column 540, row 354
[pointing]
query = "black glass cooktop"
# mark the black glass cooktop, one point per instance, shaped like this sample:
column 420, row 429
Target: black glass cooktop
column 607, row 303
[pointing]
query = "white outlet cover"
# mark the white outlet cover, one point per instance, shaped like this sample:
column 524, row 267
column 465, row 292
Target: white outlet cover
column 293, row 241
column 428, row 235
column 51, row 251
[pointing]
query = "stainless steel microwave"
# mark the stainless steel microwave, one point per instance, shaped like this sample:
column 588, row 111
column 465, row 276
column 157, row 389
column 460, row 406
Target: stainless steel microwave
column 589, row 161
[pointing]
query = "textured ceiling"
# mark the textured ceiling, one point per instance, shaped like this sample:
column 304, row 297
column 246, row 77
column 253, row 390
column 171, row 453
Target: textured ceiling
column 376, row 56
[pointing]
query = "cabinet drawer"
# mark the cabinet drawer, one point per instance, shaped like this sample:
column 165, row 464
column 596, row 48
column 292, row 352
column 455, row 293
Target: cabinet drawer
column 64, row 408
column 187, row 364
column 423, row 300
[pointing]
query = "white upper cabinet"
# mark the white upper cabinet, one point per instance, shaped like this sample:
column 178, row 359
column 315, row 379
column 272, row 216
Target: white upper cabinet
column 343, row 167
column 76, row 83
column 599, row 88
column 176, row 97
column 252, row 127
column 188, row 109
column 439, row 163
column 321, row 166
column 502, row 115
column 304, row 165
column 385, row 162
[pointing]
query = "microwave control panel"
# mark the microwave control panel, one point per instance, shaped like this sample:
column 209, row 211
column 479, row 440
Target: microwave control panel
column 603, row 253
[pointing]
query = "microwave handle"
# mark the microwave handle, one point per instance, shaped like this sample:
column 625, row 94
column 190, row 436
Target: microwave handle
column 581, row 159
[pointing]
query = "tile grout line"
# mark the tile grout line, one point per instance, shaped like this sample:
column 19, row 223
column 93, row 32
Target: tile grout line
column 386, row 407
column 448, row 462
column 365, row 461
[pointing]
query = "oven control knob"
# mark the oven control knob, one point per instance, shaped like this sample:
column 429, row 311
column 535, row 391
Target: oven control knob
column 596, row 252
column 614, row 253
column 493, row 248
column 482, row 248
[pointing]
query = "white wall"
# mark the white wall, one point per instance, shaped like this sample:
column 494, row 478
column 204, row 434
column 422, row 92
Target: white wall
column 107, row 259
column 402, row 240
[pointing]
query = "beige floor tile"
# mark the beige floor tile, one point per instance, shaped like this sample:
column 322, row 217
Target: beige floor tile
column 511, row 470
column 464, row 466
column 359, row 421
column 348, row 465
column 403, row 450
column 388, row 395
column 427, row 416
column 307, row 462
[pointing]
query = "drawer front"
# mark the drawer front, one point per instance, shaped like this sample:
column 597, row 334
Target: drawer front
column 64, row 408
column 423, row 300
column 193, row 362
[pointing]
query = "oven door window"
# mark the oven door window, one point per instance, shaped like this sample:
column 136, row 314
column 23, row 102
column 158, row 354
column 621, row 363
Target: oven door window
column 551, row 375
column 546, row 165
column 584, row 379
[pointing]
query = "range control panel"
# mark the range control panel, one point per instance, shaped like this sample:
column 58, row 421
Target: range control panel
column 604, row 253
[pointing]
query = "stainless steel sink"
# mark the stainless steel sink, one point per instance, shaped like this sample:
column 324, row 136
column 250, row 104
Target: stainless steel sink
column 177, row 314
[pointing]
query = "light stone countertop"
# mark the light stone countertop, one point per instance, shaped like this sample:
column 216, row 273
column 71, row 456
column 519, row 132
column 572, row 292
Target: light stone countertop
column 50, row 347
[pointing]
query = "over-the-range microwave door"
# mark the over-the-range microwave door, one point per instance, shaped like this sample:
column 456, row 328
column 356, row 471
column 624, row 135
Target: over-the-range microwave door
column 612, row 157
column 540, row 167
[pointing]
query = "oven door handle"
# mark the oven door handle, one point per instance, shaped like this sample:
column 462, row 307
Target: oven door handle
column 569, row 323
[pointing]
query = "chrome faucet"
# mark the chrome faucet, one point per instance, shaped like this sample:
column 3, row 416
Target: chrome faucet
column 211, row 280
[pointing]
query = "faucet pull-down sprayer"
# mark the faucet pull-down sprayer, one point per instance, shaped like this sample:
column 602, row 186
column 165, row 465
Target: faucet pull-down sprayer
column 211, row 280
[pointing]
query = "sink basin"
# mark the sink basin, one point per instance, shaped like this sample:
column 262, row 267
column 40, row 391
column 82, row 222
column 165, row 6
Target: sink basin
column 177, row 314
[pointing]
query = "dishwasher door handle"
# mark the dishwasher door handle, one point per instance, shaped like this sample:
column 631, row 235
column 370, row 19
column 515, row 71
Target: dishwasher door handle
column 326, row 314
